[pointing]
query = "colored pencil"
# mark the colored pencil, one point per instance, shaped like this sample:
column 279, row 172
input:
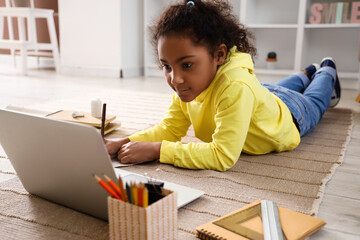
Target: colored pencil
column 145, row 197
column 122, row 189
column 106, row 187
column 140, row 191
column 113, row 185
column 134, row 193
column 129, row 193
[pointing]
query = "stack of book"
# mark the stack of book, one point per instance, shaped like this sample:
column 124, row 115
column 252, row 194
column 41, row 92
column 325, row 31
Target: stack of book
column 86, row 118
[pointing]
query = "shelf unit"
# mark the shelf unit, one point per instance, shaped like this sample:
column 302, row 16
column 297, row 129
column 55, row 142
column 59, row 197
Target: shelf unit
column 152, row 10
column 281, row 26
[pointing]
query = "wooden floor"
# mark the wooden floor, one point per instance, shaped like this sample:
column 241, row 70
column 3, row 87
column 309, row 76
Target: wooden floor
column 340, row 207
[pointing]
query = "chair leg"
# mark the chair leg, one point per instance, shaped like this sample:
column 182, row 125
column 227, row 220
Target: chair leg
column 54, row 42
column 56, row 58
column 23, row 60
column 13, row 56
column 11, row 34
column 22, row 38
column 2, row 27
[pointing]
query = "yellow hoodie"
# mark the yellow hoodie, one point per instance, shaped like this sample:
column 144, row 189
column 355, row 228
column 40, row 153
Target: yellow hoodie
column 235, row 113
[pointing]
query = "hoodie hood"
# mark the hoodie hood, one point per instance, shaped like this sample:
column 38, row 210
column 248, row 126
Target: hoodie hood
column 234, row 60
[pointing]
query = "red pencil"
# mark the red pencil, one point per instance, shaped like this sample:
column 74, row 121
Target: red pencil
column 113, row 185
column 106, row 187
column 140, row 196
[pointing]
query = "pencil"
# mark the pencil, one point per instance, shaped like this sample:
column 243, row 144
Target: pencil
column 113, row 185
column 145, row 197
column 103, row 118
column 129, row 193
column 140, row 191
column 135, row 193
column 106, row 187
column 122, row 189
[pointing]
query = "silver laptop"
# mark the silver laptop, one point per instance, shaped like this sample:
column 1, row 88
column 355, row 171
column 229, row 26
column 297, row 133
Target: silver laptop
column 56, row 160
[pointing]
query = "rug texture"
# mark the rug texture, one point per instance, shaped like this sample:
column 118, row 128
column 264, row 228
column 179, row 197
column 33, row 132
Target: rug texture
column 294, row 179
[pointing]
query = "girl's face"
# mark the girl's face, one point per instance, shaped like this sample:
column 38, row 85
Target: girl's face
column 188, row 69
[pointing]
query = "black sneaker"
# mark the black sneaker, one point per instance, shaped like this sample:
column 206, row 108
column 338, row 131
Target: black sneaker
column 311, row 69
column 335, row 97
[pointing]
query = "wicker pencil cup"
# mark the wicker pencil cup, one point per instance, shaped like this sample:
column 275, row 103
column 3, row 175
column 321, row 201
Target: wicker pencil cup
column 157, row 221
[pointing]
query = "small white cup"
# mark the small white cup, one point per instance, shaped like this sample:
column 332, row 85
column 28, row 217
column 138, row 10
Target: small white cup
column 96, row 107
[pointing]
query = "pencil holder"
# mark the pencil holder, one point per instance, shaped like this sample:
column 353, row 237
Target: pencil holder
column 157, row 221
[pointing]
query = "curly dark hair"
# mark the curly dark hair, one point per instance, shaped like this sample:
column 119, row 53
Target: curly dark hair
column 208, row 23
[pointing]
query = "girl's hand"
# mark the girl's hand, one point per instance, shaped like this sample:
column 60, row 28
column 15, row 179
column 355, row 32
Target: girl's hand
column 113, row 147
column 138, row 152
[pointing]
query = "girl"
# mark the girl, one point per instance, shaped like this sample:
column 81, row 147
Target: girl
column 206, row 57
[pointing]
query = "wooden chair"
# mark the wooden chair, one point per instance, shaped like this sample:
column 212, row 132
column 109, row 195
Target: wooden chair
column 358, row 97
column 27, row 39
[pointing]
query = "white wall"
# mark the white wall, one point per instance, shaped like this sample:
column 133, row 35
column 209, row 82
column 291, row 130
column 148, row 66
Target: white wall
column 100, row 37
column 132, row 44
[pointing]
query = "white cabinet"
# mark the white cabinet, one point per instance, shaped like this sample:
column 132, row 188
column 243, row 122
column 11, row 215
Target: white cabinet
column 101, row 38
column 282, row 26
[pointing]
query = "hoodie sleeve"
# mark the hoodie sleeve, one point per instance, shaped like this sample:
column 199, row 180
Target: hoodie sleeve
column 172, row 127
column 234, row 109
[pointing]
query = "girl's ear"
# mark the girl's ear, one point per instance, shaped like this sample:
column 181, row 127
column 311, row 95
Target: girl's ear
column 220, row 54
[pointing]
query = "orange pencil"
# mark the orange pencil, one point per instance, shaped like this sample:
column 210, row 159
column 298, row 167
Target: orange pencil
column 113, row 185
column 106, row 187
column 122, row 189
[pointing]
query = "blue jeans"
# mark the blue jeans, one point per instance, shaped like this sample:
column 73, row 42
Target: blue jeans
column 307, row 101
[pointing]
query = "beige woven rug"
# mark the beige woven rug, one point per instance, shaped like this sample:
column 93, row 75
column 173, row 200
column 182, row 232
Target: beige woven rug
column 294, row 179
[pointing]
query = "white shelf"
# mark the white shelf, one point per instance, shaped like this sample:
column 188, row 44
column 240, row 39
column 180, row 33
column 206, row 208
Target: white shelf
column 348, row 74
column 279, row 40
column 339, row 43
column 287, row 72
column 272, row 26
column 353, row 25
column 270, row 12
column 281, row 26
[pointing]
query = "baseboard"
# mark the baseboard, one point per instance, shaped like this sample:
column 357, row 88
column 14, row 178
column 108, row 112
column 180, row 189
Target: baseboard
column 101, row 71
column 132, row 72
column 90, row 71
column 93, row 71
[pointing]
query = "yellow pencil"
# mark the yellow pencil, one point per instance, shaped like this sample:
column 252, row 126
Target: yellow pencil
column 145, row 197
column 135, row 193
